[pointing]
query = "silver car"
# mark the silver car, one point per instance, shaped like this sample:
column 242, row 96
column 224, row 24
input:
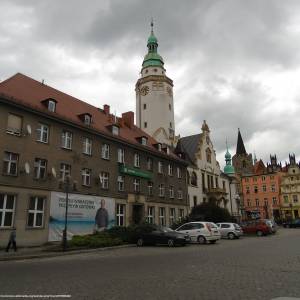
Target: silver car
column 230, row 230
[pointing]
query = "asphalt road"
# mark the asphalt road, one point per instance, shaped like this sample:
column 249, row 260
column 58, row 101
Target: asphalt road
column 249, row 268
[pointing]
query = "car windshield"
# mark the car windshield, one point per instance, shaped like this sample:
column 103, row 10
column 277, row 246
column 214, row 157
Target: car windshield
column 213, row 225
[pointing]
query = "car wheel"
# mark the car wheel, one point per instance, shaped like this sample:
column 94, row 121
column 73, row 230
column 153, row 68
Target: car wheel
column 201, row 240
column 231, row 236
column 140, row 242
column 259, row 233
column 171, row 243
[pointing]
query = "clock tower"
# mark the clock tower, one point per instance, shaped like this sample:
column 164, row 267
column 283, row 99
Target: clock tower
column 154, row 96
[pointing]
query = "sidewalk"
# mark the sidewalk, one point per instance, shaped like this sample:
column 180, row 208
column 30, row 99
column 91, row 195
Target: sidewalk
column 48, row 251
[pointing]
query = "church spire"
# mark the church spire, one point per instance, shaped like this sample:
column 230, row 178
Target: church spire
column 228, row 169
column 152, row 58
column 240, row 147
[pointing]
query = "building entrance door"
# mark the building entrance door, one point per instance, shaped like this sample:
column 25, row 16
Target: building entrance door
column 137, row 214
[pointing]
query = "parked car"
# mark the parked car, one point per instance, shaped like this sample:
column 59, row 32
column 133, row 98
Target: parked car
column 156, row 235
column 230, row 230
column 292, row 224
column 273, row 226
column 201, row 232
column 257, row 227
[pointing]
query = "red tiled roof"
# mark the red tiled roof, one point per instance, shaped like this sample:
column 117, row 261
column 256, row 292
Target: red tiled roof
column 29, row 92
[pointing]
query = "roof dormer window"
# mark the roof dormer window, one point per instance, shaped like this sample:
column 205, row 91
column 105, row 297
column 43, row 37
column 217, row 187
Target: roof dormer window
column 115, row 130
column 144, row 141
column 158, row 146
column 51, row 105
column 87, row 119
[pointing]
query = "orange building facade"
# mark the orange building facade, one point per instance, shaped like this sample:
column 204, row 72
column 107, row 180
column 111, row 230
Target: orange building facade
column 261, row 193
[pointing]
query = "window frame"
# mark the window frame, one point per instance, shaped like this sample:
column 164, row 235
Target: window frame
column 136, row 160
column 87, row 145
column 86, row 175
column 105, row 151
column 4, row 210
column 121, row 214
column 66, row 139
column 105, row 180
column 35, row 212
column 8, row 162
column 38, row 167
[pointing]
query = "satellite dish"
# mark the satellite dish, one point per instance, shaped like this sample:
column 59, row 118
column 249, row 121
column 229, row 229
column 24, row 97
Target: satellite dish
column 27, row 168
column 53, row 172
column 28, row 128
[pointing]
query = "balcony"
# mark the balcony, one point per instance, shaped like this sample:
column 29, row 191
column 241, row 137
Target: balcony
column 215, row 191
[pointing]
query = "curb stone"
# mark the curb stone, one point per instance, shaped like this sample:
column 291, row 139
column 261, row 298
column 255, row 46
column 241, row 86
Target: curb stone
column 56, row 254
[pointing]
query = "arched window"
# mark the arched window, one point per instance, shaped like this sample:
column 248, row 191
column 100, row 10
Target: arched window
column 194, row 179
column 188, row 177
column 208, row 155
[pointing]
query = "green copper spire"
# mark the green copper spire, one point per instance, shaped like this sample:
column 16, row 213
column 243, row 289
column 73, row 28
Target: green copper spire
column 152, row 58
column 228, row 169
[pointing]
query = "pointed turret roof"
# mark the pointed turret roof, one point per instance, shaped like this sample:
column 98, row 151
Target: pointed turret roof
column 240, row 147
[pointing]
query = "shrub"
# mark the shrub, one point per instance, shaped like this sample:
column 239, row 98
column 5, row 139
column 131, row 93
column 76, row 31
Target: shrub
column 102, row 239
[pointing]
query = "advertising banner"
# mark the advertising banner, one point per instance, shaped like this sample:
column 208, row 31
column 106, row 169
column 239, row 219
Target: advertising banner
column 85, row 214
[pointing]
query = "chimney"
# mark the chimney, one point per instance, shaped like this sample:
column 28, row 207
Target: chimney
column 106, row 109
column 128, row 118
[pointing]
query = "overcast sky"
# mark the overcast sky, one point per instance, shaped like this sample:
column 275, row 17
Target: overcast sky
column 234, row 63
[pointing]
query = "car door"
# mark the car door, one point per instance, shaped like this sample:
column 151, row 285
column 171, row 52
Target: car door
column 187, row 229
column 225, row 229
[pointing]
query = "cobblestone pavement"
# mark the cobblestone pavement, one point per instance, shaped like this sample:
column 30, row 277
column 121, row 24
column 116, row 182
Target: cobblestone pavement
column 249, row 268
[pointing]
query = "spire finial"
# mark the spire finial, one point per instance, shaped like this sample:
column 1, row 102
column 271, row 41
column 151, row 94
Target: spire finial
column 152, row 24
column 226, row 145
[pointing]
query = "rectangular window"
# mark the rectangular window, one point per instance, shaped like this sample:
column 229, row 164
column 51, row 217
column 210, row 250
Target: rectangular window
column 121, row 183
column 87, row 119
column 295, row 198
column 172, row 217
column 286, row 199
column 179, row 194
column 42, row 133
column 181, row 214
column 179, row 173
column 87, row 146
column 150, row 214
column 247, row 190
column 149, row 164
column 145, row 106
column 105, row 151
column 145, row 124
column 257, row 202
column 104, row 180
column 121, row 155
column 10, row 163
column 144, row 141
column 136, row 160
column 14, row 124
column 150, row 188
column 136, row 185
column 274, row 199
column 40, row 168
column 66, row 139
column 162, row 216
column 265, row 201
column 120, row 216
column 264, row 188
column 86, row 176
column 170, row 170
column 7, row 210
column 255, row 189
column 161, row 188
column 160, row 167
column 195, row 200
column 65, row 170
column 273, row 189
column 263, row 178
column 248, row 203
column 171, row 191
column 36, row 212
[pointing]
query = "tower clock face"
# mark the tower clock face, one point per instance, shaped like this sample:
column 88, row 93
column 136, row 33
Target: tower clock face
column 169, row 91
column 144, row 90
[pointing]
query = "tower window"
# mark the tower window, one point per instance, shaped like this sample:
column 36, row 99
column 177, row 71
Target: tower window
column 170, row 107
column 145, row 105
column 146, row 71
column 145, row 124
column 155, row 70
column 170, row 124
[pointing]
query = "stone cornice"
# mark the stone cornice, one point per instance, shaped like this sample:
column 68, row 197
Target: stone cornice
column 159, row 78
